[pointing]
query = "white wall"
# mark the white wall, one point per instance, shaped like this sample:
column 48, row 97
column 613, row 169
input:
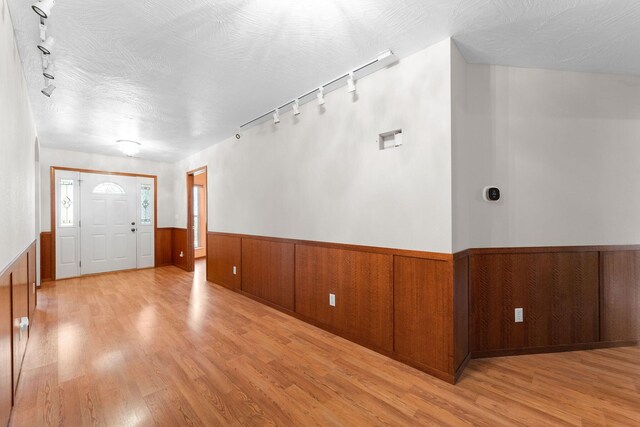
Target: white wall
column 74, row 159
column 17, row 150
column 460, row 172
column 564, row 148
column 320, row 176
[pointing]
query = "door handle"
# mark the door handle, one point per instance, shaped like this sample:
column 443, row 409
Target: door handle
column 133, row 223
column 133, row 230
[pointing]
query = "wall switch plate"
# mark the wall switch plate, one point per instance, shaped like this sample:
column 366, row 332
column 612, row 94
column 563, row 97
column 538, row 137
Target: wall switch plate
column 519, row 314
column 235, row 271
column 332, row 300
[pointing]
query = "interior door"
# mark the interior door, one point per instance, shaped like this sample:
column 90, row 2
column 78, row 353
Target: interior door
column 108, row 227
column 67, row 231
column 146, row 222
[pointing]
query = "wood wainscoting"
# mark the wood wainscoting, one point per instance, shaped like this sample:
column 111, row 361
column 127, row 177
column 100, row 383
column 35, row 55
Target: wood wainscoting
column 573, row 298
column 17, row 306
column 46, row 257
column 179, row 243
column 397, row 302
column 169, row 242
column 164, row 247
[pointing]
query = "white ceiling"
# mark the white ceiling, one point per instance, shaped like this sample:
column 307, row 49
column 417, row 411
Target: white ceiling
column 179, row 75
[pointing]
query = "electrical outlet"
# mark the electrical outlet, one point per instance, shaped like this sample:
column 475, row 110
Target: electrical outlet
column 181, row 254
column 519, row 314
column 332, row 300
column 234, row 270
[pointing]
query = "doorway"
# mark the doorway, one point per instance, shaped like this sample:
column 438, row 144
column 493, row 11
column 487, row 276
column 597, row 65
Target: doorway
column 196, row 216
column 103, row 222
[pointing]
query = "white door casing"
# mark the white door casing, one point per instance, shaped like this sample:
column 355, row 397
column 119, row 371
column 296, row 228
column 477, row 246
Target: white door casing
column 67, row 205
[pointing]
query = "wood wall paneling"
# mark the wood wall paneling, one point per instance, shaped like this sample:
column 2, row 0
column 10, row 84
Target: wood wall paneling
column 620, row 297
column 362, row 284
column 32, row 294
column 6, row 356
column 423, row 312
column 225, row 252
column 267, row 271
column 179, row 238
column 46, row 259
column 164, row 247
column 461, row 309
column 20, row 300
column 558, row 292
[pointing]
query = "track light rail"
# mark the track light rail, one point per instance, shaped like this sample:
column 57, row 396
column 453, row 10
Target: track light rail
column 385, row 58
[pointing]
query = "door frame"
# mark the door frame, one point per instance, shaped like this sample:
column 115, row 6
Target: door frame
column 191, row 261
column 52, row 177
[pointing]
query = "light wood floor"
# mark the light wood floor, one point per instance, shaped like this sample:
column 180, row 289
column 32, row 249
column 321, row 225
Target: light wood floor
column 165, row 347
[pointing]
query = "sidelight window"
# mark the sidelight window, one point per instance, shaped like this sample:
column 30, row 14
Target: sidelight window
column 66, row 203
column 145, row 204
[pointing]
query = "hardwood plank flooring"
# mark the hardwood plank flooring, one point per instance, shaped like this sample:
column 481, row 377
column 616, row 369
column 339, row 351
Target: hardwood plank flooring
column 164, row 347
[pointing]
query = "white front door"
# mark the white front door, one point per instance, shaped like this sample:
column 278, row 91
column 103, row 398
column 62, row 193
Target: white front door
column 108, row 223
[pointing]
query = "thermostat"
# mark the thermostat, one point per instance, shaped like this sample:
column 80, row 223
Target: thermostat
column 491, row 194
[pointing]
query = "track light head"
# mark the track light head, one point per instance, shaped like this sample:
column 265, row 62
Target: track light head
column 351, row 83
column 43, row 8
column 47, row 45
column 320, row 95
column 276, row 116
column 47, row 91
column 296, row 107
column 49, row 71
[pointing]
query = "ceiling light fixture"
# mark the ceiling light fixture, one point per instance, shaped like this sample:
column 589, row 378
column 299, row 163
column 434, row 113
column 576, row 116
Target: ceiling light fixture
column 46, row 46
column 49, row 71
column 128, row 148
column 276, row 116
column 296, row 107
column 320, row 95
column 43, row 8
column 351, row 83
column 47, row 91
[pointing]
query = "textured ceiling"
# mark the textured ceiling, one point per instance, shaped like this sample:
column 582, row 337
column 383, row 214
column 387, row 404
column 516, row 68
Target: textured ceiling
column 179, row 75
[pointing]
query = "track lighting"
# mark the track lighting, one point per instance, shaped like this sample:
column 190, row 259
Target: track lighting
column 351, row 83
column 320, row 95
column 43, row 8
column 47, row 91
column 383, row 60
column 128, row 148
column 46, row 46
column 49, row 71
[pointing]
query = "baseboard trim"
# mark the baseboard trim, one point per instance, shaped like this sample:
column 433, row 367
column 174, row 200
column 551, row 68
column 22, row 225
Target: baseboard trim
column 552, row 349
